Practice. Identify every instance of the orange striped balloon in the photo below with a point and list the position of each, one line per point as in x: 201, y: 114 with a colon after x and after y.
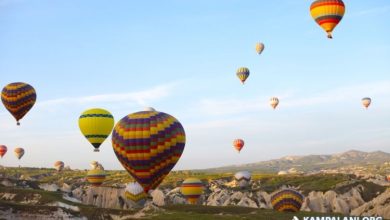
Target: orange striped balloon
x: 327, y: 14
x: 238, y: 144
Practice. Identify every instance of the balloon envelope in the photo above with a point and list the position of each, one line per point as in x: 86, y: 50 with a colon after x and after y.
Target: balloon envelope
x: 242, y: 178
x: 259, y: 47
x: 243, y: 74
x: 238, y: 144
x: 135, y: 193
x: 96, y: 177
x: 366, y: 102
x: 274, y: 102
x: 18, y: 98
x: 3, y: 150
x: 96, y: 124
x: 327, y: 14
x: 192, y: 189
x: 59, y: 165
x: 148, y: 144
x: 19, y: 152
x: 287, y: 200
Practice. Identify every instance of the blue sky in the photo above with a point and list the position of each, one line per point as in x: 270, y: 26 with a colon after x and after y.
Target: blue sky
x: 180, y: 57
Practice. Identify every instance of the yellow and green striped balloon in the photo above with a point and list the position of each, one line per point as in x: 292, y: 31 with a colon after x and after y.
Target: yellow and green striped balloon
x: 96, y: 124
x: 96, y: 177
x: 192, y: 189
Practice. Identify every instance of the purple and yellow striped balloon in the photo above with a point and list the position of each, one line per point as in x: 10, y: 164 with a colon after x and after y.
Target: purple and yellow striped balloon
x: 18, y: 98
x: 148, y: 144
x: 287, y: 200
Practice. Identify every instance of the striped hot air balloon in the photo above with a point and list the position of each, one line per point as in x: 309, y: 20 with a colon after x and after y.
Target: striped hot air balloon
x: 327, y: 14
x: 238, y: 144
x: 3, y: 150
x: 274, y: 102
x: 96, y: 177
x: 242, y: 178
x: 259, y: 48
x: 192, y: 189
x: 18, y: 98
x: 59, y: 165
x: 148, y: 144
x: 366, y: 102
x: 19, y: 152
x: 242, y: 74
x: 287, y: 200
x: 96, y: 124
x: 135, y: 193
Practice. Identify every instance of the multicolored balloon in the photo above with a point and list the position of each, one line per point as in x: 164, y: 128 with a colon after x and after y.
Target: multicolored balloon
x: 96, y: 177
x: 3, y: 150
x: 287, y: 200
x: 96, y: 124
x: 259, y: 48
x: 243, y: 178
x: 238, y: 144
x: 192, y: 189
x: 94, y: 164
x: 274, y: 102
x: 59, y: 165
x: 135, y: 193
x: 19, y: 152
x: 366, y: 102
x: 148, y: 144
x: 18, y: 98
x: 327, y: 14
x: 242, y: 74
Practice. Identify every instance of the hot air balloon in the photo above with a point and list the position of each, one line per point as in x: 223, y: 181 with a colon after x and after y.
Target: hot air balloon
x: 388, y: 178
x: 242, y: 73
x: 238, y: 144
x: 96, y: 177
x: 135, y: 193
x: 192, y: 189
x: 96, y: 124
x: 287, y: 200
x: 259, y: 48
x: 18, y: 98
x: 327, y: 14
x: 148, y: 144
x: 19, y: 152
x: 94, y: 164
x: 150, y: 109
x: 274, y: 102
x: 242, y: 178
x: 366, y: 102
x: 3, y: 150
x: 59, y: 165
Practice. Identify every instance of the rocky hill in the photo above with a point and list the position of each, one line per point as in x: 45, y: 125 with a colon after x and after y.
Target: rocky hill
x: 313, y: 163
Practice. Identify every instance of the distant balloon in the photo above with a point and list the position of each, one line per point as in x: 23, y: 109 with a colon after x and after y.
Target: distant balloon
x: 327, y: 13
x: 148, y: 144
x: 192, y: 189
x: 3, y: 150
x: 274, y: 102
x: 59, y: 165
x: 94, y: 164
x: 238, y: 144
x: 135, y: 193
x: 243, y: 178
x: 388, y: 178
x: 287, y: 200
x: 96, y: 124
x: 242, y: 74
x: 150, y: 109
x: 19, y: 152
x: 18, y: 98
x: 259, y: 48
x: 96, y: 177
x: 366, y: 102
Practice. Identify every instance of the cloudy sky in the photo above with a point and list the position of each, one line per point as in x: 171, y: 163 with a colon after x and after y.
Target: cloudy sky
x: 180, y: 57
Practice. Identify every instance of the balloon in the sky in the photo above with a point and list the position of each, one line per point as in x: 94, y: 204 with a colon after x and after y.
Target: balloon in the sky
x: 287, y: 200
x: 59, y: 165
x: 238, y: 144
x: 19, y: 152
x: 135, y: 193
x: 150, y: 109
x: 366, y: 102
x: 274, y: 102
x: 94, y: 164
x: 148, y: 144
x: 3, y: 150
x: 192, y: 189
x: 259, y: 47
x: 96, y: 177
x: 327, y: 14
x: 96, y: 124
x: 242, y: 178
x: 242, y: 73
x: 18, y: 98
